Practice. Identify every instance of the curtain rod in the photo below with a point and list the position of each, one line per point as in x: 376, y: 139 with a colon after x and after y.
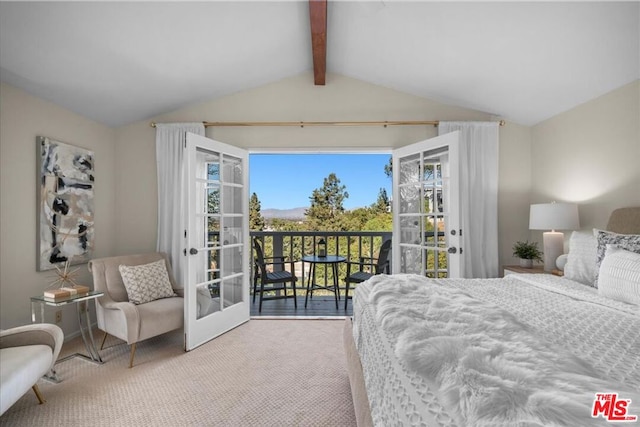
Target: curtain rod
x: 303, y: 124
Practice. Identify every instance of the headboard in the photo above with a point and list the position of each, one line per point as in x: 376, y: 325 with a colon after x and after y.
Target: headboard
x: 625, y: 221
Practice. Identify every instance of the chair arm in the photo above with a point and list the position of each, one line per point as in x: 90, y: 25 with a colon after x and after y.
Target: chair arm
x: 131, y: 317
x: 36, y: 334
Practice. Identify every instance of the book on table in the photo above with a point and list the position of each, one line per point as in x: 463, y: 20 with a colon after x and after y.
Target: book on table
x: 66, y: 292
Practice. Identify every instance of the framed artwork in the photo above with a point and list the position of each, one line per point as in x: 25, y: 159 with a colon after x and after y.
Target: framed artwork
x: 65, y: 204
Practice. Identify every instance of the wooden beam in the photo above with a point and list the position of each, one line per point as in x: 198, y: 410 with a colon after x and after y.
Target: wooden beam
x: 318, y: 18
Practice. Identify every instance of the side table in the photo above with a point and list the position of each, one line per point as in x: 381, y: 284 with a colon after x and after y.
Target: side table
x: 84, y: 322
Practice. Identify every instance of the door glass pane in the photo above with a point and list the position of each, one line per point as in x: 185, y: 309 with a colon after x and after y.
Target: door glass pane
x: 232, y: 200
x: 410, y: 260
x: 410, y: 230
x: 231, y: 261
x: 409, y: 169
x: 232, y: 170
x: 213, y: 227
x: 410, y: 198
x: 207, y: 299
x: 232, y: 230
x: 232, y: 291
x: 212, y: 196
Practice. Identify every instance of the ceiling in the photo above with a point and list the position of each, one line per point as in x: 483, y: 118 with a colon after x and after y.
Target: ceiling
x: 119, y: 63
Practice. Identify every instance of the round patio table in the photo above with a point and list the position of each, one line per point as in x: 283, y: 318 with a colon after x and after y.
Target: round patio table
x: 331, y: 260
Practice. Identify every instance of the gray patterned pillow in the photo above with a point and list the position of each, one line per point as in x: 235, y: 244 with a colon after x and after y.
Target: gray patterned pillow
x: 628, y: 242
x: 146, y: 282
x: 619, y: 276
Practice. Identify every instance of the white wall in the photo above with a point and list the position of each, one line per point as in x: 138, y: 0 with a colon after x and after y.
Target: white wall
x: 22, y: 118
x: 297, y: 99
x: 590, y: 155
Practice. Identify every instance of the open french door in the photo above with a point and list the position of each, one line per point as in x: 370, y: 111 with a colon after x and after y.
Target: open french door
x: 426, y: 203
x: 218, y: 251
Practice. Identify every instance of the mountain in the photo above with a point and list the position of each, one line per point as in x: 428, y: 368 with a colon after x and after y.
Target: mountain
x: 295, y: 213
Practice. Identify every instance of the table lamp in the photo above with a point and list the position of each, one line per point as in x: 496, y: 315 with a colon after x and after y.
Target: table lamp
x: 553, y: 216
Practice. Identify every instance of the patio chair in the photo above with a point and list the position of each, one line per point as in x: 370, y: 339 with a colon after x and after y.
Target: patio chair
x: 367, y: 267
x: 272, y: 281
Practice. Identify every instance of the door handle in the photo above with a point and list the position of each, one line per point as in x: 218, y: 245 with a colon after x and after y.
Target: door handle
x: 452, y: 250
x: 193, y: 251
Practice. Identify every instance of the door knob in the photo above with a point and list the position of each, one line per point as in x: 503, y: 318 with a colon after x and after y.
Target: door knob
x: 452, y: 250
x: 193, y: 251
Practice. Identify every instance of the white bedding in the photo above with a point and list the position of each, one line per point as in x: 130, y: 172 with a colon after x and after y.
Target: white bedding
x: 524, y: 350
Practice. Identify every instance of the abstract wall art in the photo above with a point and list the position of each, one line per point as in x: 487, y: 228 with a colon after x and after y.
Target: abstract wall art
x: 65, y: 204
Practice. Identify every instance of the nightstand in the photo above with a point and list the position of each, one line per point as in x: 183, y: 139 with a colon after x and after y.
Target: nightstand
x: 536, y: 269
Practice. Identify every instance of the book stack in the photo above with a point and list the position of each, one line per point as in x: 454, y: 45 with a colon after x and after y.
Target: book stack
x: 66, y: 292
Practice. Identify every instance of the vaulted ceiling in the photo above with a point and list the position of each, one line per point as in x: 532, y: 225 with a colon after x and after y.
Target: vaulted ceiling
x: 118, y: 63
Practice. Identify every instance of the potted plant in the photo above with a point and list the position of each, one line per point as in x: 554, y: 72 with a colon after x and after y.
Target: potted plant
x: 527, y: 252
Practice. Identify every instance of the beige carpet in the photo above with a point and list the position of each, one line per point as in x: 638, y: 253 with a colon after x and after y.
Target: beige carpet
x: 263, y: 373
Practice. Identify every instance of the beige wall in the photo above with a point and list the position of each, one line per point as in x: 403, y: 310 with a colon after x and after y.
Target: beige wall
x: 22, y: 118
x: 590, y: 155
x: 297, y: 99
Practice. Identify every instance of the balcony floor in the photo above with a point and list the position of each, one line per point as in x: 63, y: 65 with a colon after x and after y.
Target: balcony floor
x: 318, y: 306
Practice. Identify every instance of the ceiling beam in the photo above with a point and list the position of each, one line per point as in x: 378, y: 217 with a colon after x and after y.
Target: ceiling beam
x: 318, y: 17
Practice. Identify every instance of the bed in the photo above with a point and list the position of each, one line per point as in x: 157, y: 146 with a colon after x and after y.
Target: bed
x: 529, y: 350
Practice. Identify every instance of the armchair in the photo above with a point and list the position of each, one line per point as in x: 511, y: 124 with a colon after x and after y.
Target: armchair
x: 121, y: 318
x: 27, y: 353
x: 272, y: 280
x: 366, y: 268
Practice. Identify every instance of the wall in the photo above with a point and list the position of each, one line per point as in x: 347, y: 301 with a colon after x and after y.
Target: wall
x: 22, y: 118
x: 590, y: 155
x: 297, y: 99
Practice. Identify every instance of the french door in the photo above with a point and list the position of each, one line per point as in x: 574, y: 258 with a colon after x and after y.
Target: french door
x: 426, y: 203
x: 218, y: 251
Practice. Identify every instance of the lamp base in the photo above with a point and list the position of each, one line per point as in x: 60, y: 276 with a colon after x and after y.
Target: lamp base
x: 553, y: 242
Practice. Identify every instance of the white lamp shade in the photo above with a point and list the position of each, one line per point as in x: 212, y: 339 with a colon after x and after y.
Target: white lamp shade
x: 554, y: 216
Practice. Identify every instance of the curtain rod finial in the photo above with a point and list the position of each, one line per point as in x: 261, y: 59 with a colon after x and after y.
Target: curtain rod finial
x: 152, y: 124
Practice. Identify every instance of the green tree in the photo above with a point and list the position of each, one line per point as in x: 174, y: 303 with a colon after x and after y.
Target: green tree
x: 326, y: 210
x: 256, y: 221
x: 382, y: 204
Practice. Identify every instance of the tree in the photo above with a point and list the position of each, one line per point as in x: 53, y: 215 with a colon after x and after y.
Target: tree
x: 382, y: 204
x: 256, y: 221
x: 326, y: 210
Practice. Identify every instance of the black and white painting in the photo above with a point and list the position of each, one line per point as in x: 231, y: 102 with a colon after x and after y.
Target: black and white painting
x: 65, y: 190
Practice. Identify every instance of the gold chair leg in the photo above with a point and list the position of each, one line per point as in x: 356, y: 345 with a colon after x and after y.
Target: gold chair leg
x: 36, y: 390
x: 133, y: 353
x: 104, y: 339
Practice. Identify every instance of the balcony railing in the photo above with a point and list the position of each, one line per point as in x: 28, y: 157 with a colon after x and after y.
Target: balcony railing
x: 295, y: 244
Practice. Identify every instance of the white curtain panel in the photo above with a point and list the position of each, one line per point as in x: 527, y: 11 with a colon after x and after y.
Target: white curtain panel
x: 478, y: 196
x: 172, y: 192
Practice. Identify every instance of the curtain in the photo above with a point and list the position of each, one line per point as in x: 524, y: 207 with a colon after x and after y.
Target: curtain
x: 171, y: 139
x: 478, y: 196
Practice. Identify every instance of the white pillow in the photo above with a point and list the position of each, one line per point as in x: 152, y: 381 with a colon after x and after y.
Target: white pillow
x: 629, y: 242
x: 581, y: 260
x: 619, y: 276
x: 146, y: 282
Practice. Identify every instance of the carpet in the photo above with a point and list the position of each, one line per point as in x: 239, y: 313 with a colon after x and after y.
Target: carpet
x: 263, y: 373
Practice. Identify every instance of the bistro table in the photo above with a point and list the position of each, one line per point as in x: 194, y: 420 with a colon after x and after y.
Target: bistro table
x: 333, y: 261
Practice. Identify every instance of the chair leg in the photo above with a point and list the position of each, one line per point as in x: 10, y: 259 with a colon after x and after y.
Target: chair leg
x: 133, y: 353
x: 36, y: 390
x: 261, y: 293
x: 103, y: 340
x: 295, y: 297
x: 346, y: 295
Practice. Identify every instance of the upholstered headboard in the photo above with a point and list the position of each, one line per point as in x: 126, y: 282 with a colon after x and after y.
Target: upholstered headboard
x: 625, y: 221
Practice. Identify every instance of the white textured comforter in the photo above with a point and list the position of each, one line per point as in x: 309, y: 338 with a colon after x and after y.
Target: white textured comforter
x: 525, y: 350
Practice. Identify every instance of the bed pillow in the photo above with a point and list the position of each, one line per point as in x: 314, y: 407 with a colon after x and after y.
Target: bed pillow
x: 619, y: 275
x: 146, y: 282
x: 629, y: 242
x: 581, y: 259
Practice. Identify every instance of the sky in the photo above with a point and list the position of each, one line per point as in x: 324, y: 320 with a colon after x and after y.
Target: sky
x: 286, y: 181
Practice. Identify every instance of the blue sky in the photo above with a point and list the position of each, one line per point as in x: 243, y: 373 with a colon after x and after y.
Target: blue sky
x: 286, y: 181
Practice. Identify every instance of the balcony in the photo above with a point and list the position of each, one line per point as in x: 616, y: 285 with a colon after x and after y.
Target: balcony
x: 294, y: 245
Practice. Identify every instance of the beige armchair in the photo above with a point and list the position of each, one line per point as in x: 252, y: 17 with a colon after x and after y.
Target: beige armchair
x: 130, y: 322
x: 26, y: 354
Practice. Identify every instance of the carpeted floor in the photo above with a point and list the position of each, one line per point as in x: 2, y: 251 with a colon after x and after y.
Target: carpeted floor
x: 263, y: 373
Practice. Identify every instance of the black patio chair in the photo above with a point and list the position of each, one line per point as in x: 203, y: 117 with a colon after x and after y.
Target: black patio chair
x: 272, y: 281
x: 367, y: 268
